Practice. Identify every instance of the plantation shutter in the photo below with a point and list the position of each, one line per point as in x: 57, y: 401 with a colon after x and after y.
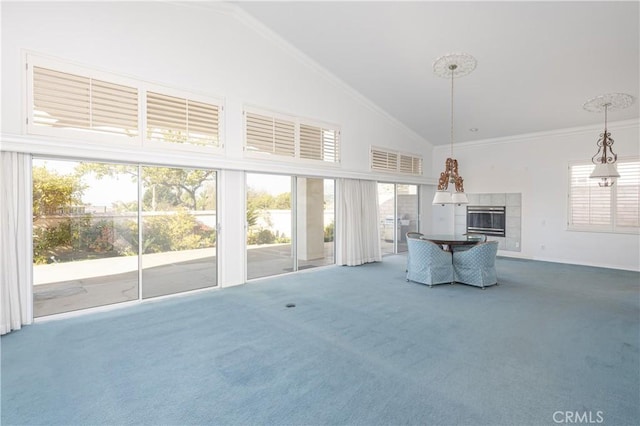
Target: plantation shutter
x: 182, y: 120
x: 392, y: 161
x: 310, y: 142
x: 64, y: 100
x: 615, y: 208
x: 269, y: 134
x: 317, y: 143
x: 628, y: 194
x: 331, y: 145
x: 590, y: 204
x: 417, y: 165
x: 383, y: 160
x: 410, y: 164
x: 406, y: 164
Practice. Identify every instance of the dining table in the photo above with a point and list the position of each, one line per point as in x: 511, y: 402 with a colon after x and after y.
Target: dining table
x: 448, y: 241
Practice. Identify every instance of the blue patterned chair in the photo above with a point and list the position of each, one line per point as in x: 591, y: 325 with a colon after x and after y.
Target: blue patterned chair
x: 412, y: 234
x: 427, y: 263
x: 474, y: 237
x: 476, y: 266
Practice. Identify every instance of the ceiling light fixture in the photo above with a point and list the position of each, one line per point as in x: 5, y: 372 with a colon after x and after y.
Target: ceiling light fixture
x: 452, y: 65
x: 605, y: 159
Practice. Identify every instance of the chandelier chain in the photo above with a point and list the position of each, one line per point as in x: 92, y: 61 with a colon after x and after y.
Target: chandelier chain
x: 453, y: 67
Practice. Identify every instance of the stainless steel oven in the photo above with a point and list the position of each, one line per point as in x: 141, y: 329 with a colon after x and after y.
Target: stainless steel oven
x: 489, y: 220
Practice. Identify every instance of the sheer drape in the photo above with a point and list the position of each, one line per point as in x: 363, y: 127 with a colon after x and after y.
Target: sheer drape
x: 15, y: 235
x: 358, y: 230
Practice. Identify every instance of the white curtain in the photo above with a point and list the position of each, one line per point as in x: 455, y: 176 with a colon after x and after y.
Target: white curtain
x: 358, y: 230
x: 16, y: 307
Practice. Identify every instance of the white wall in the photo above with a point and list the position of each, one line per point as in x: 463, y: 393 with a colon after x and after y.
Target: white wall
x: 537, y: 166
x: 210, y: 49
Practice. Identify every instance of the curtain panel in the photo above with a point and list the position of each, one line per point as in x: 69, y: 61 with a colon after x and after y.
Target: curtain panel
x: 358, y: 230
x: 16, y: 307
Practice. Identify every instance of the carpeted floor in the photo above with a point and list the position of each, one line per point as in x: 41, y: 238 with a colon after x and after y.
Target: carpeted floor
x: 361, y: 347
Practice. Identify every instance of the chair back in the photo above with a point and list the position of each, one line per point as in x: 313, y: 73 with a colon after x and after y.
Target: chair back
x: 477, y: 266
x: 484, y: 253
x: 413, y: 234
x: 426, y: 252
x: 427, y: 263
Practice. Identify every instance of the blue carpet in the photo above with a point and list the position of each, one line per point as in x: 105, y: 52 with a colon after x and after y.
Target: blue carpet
x: 361, y: 347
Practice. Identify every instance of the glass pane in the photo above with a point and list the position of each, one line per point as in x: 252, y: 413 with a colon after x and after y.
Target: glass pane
x: 315, y: 222
x: 85, y: 235
x: 269, y: 250
x: 408, y: 204
x: 386, y: 202
x: 178, y: 230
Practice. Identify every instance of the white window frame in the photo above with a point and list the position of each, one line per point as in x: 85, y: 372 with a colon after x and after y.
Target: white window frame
x: 90, y: 137
x: 613, y: 227
x: 97, y: 139
x: 164, y: 90
x: 297, y: 122
x: 397, y: 168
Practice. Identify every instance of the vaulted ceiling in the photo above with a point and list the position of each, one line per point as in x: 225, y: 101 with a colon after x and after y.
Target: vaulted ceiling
x: 537, y: 62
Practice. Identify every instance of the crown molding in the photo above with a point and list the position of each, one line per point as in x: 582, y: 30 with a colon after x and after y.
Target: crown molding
x: 569, y: 131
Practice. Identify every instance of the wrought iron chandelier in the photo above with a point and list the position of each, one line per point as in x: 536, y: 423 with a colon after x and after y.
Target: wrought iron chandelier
x: 452, y: 65
x: 605, y: 159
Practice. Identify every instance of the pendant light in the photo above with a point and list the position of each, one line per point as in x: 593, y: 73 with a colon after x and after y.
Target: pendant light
x: 605, y: 159
x: 450, y: 66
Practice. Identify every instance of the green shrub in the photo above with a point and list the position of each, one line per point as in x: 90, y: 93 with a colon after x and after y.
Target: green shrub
x: 328, y: 232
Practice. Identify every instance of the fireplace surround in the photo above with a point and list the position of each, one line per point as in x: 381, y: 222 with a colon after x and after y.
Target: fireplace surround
x: 512, y: 239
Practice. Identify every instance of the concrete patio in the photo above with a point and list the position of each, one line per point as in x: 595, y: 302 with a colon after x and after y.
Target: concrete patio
x: 71, y: 286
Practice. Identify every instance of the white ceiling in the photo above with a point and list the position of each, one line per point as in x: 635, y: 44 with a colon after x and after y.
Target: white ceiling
x: 538, y: 62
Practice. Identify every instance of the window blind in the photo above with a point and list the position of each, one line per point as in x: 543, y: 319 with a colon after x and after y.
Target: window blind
x: 392, y: 161
x: 628, y: 194
x: 288, y: 136
x: 181, y: 120
x: 411, y: 165
x: 613, y: 208
x: 65, y: 100
x: 383, y: 160
x: 270, y: 135
x: 317, y: 143
x: 590, y: 204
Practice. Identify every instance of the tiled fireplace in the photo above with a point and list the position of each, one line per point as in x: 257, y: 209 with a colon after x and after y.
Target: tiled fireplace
x: 498, y: 213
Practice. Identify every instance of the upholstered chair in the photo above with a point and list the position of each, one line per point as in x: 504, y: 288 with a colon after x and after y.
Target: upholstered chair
x: 476, y: 266
x: 474, y: 237
x: 427, y: 263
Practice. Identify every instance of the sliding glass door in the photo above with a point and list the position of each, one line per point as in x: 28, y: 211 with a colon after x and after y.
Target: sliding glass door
x: 87, y: 233
x: 275, y: 203
x: 178, y: 230
x: 315, y: 222
x: 407, y: 206
x: 269, y: 225
x: 399, y: 214
x: 387, y: 214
